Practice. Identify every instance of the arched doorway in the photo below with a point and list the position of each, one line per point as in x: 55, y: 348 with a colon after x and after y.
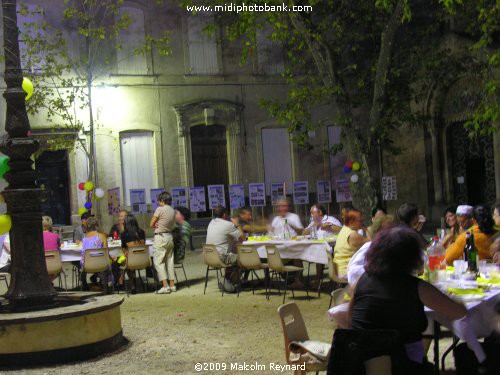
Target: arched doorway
x: 209, y: 155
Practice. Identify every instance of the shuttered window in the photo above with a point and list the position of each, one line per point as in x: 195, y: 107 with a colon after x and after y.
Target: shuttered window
x: 202, y: 47
x: 129, y: 39
x: 137, y: 163
x: 277, y: 157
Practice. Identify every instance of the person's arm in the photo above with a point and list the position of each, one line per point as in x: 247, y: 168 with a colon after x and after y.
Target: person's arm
x: 104, y: 239
x: 455, y: 250
x: 357, y: 240
x: 440, y: 302
x: 152, y: 223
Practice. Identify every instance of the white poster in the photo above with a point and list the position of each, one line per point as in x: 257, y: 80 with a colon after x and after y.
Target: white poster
x: 179, y: 197
x: 154, y: 198
x: 138, y: 201
x: 300, y: 192
x: 257, y: 194
x: 197, y: 202
x: 324, y: 191
x: 343, y: 190
x: 216, y: 196
x: 389, y: 189
x: 277, y: 192
x: 236, y: 196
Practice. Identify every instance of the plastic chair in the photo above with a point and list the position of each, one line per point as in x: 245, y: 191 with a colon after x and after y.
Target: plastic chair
x: 96, y: 260
x: 180, y: 265
x: 337, y: 297
x: 248, y: 259
x: 55, y: 267
x: 294, y: 329
x: 214, y: 263
x: 3, y: 276
x: 276, y: 265
x: 138, y: 259
x: 333, y: 273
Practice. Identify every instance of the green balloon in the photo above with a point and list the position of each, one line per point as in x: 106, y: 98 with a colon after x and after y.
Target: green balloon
x: 4, y: 165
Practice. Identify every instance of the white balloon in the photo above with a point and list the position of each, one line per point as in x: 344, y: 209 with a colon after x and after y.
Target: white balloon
x: 99, y: 193
x: 354, y: 178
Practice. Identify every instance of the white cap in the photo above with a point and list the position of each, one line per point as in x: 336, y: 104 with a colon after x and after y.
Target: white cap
x: 464, y: 210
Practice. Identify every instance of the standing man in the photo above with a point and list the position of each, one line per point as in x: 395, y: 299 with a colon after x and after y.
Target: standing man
x: 80, y: 230
x: 163, y: 222
x: 223, y: 233
x: 293, y: 220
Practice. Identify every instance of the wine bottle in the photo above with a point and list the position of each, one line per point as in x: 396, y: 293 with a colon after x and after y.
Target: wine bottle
x: 472, y: 255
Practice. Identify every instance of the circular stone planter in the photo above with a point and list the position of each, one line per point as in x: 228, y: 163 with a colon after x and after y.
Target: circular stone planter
x: 84, y: 329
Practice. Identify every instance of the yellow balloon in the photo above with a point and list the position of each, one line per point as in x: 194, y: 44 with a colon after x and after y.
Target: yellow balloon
x: 5, y: 223
x: 356, y: 166
x: 89, y: 185
x: 81, y: 211
x: 28, y: 87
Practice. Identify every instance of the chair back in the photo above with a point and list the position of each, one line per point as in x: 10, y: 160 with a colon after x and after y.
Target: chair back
x: 379, y: 366
x: 53, y: 262
x: 211, y: 256
x: 294, y: 328
x: 138, y: 258
x: 248, y: 257
x: 96, y: 260
x: 333, y: 270
x: 274, y: 258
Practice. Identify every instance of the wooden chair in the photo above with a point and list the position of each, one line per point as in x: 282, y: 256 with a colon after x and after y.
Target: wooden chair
x: 214, y: 263
x: 276, y: 265
x: 294, y: 330
x: 248, y: 259
x: 55, y: 267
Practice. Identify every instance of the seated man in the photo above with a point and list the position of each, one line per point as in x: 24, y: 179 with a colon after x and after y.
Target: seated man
x: 464, y: 217
x: 119, y: 227
x: 223, y: 233
x: 79, y: 231
x: 323, y: 226
x: 245, y: 220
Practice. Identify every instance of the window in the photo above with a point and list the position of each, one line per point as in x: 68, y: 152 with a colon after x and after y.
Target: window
x: 269, y: 54
x: 202, y: 47
x: 29, y: 21
x: 336, y: 161
x: 137, y: 163
x: 277, y: 158
x: 130, y: 38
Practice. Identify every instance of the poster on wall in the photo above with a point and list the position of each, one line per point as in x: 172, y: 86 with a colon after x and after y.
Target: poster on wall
x: 114, y: 201
x: 277, y: 192
x: 179, y: 197
x: 300, y: 192
x: 197, y: 202
x: 324, y: 191
x: 216, y: 196
x: 343, y: 190
x: 138, y: 201
x: 236, y: 196
x: 257, y: 194
x: 389, y: 188
x: 154, y: 198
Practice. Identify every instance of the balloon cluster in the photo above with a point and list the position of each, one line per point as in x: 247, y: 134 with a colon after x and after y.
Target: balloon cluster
x: 88, y: 186
x: 350, y: 166
x: 4, y: 165
x: 5, y: 223
x: 27, y: 86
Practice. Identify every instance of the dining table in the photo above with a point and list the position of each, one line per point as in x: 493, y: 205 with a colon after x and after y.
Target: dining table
x: 71, y: 252
x: 303, y: 248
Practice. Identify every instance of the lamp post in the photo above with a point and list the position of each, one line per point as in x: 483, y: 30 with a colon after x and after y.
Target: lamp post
x: 30, y: 285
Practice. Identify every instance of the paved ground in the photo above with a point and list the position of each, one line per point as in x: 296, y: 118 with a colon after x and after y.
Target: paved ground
x: 169, y: 334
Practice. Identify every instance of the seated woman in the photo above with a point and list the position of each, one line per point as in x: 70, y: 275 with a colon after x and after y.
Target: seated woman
x: 348, y: 240
x: 452, y: 226
x: 388, y: 296
x: 94, y: 239
x: 51, y: 240
x: 483, y: 231
x: 132, y: 236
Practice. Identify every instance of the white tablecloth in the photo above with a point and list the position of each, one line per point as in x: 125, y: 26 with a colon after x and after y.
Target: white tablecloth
x: 71, y: 253
x: 308, y: 250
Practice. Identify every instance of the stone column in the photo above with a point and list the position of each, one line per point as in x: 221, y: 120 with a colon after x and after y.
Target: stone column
x: 30, y: 285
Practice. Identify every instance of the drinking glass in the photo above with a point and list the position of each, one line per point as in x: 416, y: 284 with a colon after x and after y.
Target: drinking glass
x: 460, y: 268
x: 482, y: 266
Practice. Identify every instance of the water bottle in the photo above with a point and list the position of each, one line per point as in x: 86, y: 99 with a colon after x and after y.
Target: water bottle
x: 314, y: 232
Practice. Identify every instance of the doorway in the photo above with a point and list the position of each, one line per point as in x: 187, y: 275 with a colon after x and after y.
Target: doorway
x: 53, y: 178
x: 209, y: 157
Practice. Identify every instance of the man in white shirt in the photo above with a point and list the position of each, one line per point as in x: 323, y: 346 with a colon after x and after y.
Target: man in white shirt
x: 324, y: 226
x: 293, y: 220
x: 224, y: 234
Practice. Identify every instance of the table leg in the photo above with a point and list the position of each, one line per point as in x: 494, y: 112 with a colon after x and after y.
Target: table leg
x: 437, y: 334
